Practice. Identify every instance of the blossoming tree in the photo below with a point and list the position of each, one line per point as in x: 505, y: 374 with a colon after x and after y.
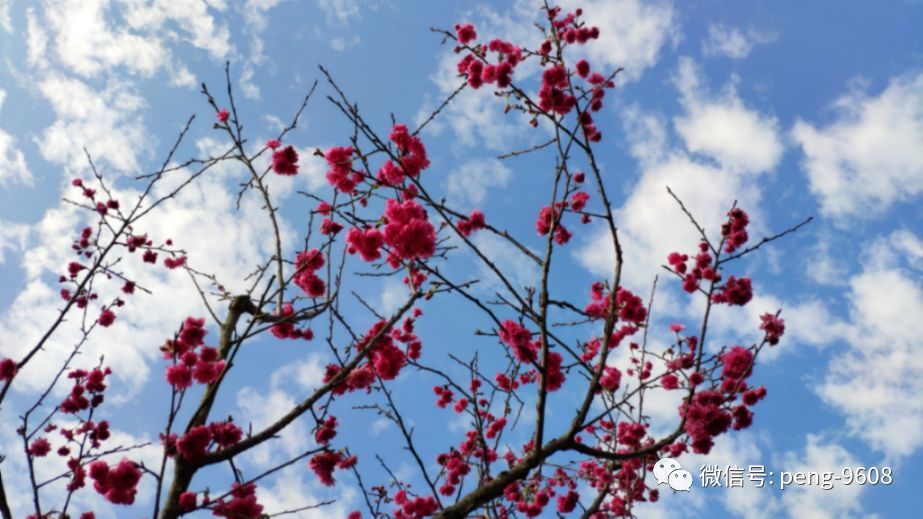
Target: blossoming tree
x: 384, y: 214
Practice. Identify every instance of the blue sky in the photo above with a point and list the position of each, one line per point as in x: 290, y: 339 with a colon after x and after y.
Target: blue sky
x: 793, y: 109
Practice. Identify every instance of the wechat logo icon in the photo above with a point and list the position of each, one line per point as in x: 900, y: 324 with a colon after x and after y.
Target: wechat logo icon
x: 669, y: 471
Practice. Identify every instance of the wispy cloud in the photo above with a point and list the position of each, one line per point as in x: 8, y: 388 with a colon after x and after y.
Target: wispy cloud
x: 871, y: 155
x: 731, y: 42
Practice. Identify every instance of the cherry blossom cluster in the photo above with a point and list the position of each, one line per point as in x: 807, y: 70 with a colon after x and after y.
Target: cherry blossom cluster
x: 704, y: 419
x: 197, y: 442
x: 328, y: 226
x: 407, y: 232
x: 324, y: 463
x: 285, y: 329
x: 327, y: 431
x: 87, y: 246
x: 622, y: 437
x: 285, y: 160
x: 404, y: 232
x: 412, y: 158
x: 95, y: 433
x: 734, y: 231
x: 86, y: 384
x: 773, y: 326
x: 456, y: 466
x: 713, y: 412
x: 735, y: 291
x: 550, y: 217
x: 445, y: 396
x: 306, y: 265
x: 458, y: 461
x: 701, y: 270
x: 414, y: 508
x: 341, y: 174
x: 519, y: 340
x: 474, y: 222
x: 532, y: 497
x: 629, y: 307
x: 611, y: 379
x: 475, y: 65
x: 239, y: 503
x: 506, y: 383
x: 242, y: 503
x: 557, y: 93
x: 384, y: 359
x: 117, y: 484
x: 192, y: 359
x: 8, y: 369
x: 100, y: 206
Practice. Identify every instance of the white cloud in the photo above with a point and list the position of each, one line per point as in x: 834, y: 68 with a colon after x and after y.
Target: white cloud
x: 380, y: 425
x: 823, y: 266
x: 730, y: 42
x: 515, y: 266
x: 475, y: 116
x: 313, y: 171
x: 36, y: 41
x: 200, y: 213
x: 293, y: 489
x: 6, y: 23
x: 307, y: 375
x: 19, y: 491
x: 342, y: 43
x: 707, y: 192
x: 751, y: 502
x: 87, y: 44
x: 647, y: 135
x: 841, y: 501
x: 192, y: 16
x: 261, y: 409
x: 740, y: 449
x: 740, y: 325
x: 12, y: 237
x: 341, y: 17
x: 105, y: 122
x: 394, y: 294
x: 908, y: 245
x: 631, y: 33
x: 871, y: 155
x: 254, y: 12
x: 180, y: 76
x: 13, y: 167
x: 723, y: 127
x: 470, y: 182
x: 92, y: 37
x: 339, y: 11
x: 876, y: 382
x: 742, y: 143
x: 890, y: 252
